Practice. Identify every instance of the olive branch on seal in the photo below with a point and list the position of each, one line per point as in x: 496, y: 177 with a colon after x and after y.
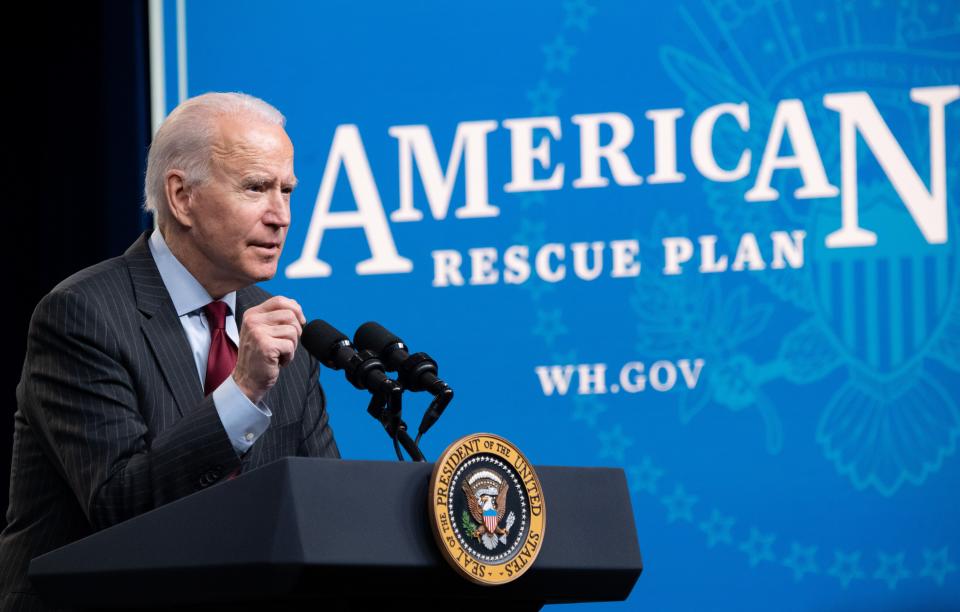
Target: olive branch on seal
x: 468, y: 525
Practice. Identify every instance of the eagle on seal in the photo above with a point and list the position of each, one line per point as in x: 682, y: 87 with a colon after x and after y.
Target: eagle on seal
x: 487, y: 502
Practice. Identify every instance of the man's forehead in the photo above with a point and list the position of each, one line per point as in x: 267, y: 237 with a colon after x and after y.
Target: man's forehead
x: 239, y: 135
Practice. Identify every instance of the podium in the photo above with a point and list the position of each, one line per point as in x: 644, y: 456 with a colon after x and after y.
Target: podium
x: 317, y: 534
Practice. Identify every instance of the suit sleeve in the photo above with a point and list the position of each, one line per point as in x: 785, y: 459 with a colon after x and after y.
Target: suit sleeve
x: 80, y: 395
x: 317, y: 435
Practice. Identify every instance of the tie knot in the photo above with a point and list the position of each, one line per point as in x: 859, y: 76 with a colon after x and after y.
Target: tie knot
x: 216, y: 314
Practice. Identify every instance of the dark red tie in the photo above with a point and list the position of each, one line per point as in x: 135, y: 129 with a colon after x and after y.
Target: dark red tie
x: 222, y: 358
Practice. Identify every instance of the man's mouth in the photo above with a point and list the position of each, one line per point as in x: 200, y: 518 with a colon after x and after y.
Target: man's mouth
x: 267, y: 246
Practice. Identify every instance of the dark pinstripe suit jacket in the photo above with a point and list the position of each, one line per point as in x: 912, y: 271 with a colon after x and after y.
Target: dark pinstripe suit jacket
x: 111, y: 419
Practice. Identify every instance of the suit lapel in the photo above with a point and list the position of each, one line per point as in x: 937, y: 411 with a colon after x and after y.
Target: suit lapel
x: 245, y: 300
x: 162, y: 327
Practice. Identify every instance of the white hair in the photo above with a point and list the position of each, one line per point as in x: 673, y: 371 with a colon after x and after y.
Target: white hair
x: 185, y: 138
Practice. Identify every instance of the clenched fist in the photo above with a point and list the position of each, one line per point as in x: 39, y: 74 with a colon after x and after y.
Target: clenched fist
x: 268, y: 339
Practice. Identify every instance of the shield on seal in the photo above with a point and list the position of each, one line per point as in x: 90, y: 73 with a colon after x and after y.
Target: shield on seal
x: 490, y: 519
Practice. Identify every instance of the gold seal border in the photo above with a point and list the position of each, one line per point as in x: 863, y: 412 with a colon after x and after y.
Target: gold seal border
x: 486, y: 574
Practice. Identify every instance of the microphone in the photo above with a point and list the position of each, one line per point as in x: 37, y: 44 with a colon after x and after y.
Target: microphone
x: 333, y: 349
x: 364, y: 370
x: 417, y: 372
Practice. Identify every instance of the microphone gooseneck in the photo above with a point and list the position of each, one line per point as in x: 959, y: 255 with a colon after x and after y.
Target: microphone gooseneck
x: 364, y: 370
x: 416, y: 372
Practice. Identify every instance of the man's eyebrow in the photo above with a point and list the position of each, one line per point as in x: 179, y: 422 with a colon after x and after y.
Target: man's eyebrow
x: 257, y: 179
x: 261, y: 179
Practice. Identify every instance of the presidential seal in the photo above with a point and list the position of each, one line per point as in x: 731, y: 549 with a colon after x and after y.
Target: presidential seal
x: 486, y: 508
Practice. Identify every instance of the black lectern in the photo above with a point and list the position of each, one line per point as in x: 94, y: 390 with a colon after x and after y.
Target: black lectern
x: 328, y: 534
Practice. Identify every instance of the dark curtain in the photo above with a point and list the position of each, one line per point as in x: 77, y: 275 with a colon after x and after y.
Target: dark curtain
x: 76, y: 141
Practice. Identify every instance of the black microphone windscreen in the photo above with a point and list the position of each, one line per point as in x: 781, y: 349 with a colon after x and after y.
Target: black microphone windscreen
x: 374, y: 337
x: 322, y: 339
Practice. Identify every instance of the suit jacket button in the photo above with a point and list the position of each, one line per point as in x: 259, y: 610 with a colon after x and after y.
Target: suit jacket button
x: 208, y: 478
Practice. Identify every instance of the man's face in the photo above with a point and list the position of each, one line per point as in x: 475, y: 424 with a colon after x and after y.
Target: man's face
x: 241, y: 213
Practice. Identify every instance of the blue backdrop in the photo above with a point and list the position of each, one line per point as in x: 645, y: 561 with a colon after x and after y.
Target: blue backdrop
x: 611, y: 269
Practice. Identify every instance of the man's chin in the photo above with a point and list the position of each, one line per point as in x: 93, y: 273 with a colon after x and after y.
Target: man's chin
x: 261, y: 273
x: 267, y: 275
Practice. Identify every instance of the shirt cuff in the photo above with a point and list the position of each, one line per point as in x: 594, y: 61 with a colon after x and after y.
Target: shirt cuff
x: 243, y: 420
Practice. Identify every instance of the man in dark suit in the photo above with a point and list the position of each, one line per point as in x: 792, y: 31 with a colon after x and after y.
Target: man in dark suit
x: 164, y: 371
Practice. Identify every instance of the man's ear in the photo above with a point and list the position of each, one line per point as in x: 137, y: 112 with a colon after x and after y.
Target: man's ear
x: 178, y: 197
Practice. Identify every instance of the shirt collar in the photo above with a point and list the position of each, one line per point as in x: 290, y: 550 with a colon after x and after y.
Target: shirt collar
x: 187, y: 293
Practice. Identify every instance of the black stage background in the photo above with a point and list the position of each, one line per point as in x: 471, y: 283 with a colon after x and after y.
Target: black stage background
x: 76, y: 142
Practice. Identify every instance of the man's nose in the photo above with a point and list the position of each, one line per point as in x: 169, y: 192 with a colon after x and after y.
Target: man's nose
x: 278, y: 214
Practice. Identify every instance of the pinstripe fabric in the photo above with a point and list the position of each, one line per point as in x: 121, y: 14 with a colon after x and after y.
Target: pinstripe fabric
x: 111, y: 419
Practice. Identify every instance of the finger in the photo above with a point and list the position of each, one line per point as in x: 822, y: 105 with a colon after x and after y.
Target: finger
x: 279, y: 302
x: 274, y: 317
x: 296, y: 308
x: 271, y: 304
x: 287, y: 332
x: 287, y: 349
